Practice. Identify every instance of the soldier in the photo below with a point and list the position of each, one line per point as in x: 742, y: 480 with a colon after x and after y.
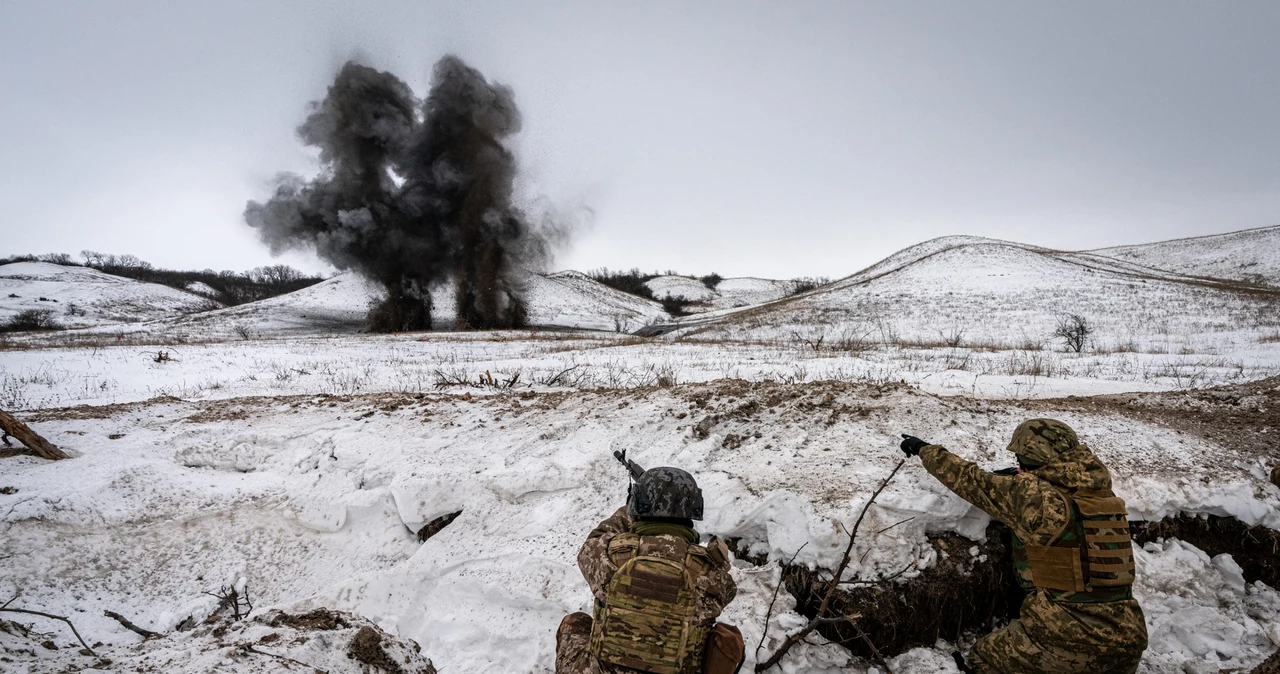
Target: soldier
x: 657, y: 592
x: 1071, y: 551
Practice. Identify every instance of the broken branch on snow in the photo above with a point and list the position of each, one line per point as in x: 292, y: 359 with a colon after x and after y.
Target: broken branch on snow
x: 820, y: 617
x: 43, y: 448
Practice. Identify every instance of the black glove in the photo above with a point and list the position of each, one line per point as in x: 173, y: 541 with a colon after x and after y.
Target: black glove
x: 911, y: 445
x: 960, y: 663
x: 1007, y: 472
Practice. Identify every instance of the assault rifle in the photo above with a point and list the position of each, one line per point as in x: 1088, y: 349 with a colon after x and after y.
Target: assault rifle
x: 632, y: 466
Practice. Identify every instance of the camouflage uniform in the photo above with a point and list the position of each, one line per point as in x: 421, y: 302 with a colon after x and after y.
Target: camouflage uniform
x: 715, y: 587
x: 1101, y: 632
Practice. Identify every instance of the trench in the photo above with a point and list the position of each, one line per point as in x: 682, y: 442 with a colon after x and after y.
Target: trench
x: 966, y: 594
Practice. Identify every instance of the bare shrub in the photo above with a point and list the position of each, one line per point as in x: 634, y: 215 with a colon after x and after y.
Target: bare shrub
x: 1075, y: 330
x: 31, y: 319
x: 804, y: 284
x: 953, y: 336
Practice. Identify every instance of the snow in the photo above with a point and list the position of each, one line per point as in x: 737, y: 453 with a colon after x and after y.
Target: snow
x: 314, y: 500
x: 730, y: 293
x: 997, y: 294
x: 1252, y: 255
x: 83, y: 297
x: 281, y: 448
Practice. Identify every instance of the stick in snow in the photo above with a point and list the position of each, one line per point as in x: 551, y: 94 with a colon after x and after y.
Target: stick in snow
x: 820, y: 616
x: 43, y: 448
x: 49, y: 615
x: 145, y: 634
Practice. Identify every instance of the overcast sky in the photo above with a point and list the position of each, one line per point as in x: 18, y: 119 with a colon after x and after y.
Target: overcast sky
x: 748, y: 138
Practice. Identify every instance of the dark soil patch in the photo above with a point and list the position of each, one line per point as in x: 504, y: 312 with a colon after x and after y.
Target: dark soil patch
x: 434, y: 526
x: 1255, y: 549
x: 318, y: 619
x: 960, y: 593
x: 366, y: 647
x: 1239, y: 417
x: 1269, y: 666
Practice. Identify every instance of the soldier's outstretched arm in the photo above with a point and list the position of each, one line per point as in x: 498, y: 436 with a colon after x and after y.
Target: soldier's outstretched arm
x: 996, y: 495
x: 593, y: 558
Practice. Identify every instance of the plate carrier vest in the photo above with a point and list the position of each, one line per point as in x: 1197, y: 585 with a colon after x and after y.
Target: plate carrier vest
x: 648, y: 619
x: 1090, y: 560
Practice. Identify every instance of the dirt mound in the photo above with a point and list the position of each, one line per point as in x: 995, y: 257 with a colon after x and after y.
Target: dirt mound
x: 319, y: 640
x: 962, y: 592
x: 1255, y: 549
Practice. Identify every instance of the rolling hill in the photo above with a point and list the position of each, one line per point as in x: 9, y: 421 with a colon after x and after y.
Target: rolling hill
x: 1251, y: 255
x: 985, y: 291
x: 730, y: 293
x: 82, y: 297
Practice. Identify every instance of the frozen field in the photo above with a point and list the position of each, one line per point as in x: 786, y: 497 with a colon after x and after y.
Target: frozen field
x: 274, y: 447
x: 313, y: 500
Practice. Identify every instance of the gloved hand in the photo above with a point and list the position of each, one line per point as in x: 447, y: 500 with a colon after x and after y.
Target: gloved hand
x: 911, y: 445
x: 1007, y: 472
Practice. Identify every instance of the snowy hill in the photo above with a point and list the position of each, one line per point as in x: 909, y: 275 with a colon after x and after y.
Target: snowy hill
x: 730, y: 293
x: 1251, y: 255
x: 83, y: 297
x: 985, y: 291
x: 571, y: 299
x: 338, y: 305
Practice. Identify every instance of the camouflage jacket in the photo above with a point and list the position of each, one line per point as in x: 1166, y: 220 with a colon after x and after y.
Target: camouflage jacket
x: 715, y: 587
x: 1031, y: 505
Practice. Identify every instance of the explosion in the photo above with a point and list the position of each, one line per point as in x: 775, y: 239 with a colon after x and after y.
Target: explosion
x: 412, y: 194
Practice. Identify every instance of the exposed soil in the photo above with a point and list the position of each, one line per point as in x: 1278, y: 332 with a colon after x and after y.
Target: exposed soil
x: 436, y: 525
x: 366, y: 647
x: 1269, y: 666
x: 1255, y: 549
x: 318, y: 619
x: 964, y: 593
x: 961, y: 593
x: 1244, y: 418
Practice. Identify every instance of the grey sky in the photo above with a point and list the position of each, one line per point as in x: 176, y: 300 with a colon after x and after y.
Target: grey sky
x: 773, y: 139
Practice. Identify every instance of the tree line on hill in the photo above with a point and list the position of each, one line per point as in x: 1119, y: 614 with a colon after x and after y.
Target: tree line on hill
x: 635, y: 282
x: 226, y: 287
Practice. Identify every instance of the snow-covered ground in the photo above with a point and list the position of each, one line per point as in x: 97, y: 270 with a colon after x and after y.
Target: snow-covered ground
x: 730, y: 293
x: 278, y: 447
x: 1248, y: 255
x: 313, y: 501
x: 996, y: 294
x: 83, y: 297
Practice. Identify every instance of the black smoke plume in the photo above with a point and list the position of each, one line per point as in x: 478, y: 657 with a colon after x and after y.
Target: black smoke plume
x: 412, y: 197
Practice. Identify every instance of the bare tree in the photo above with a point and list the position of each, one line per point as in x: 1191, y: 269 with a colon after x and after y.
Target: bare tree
x: 1075, y: 330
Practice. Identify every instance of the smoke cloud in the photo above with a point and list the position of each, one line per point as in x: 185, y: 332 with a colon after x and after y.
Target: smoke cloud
x: 412, y: 194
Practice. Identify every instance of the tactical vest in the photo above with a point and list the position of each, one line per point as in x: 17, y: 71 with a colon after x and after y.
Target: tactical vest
x: 648, y: 619
x: 1090, y: 560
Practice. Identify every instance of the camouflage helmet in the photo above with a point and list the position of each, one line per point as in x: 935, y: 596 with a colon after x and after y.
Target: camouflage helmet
x: 1043, y: 440
x: 665, y: 492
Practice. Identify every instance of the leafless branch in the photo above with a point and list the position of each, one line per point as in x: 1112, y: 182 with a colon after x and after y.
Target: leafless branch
x: 144, y: 633
x: 42, y: 614
x: 768, y: 615
x: 820, y: 616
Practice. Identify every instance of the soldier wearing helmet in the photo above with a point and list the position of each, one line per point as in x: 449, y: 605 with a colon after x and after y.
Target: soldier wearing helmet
x: 657, y: 591
x: 1071, y: 551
